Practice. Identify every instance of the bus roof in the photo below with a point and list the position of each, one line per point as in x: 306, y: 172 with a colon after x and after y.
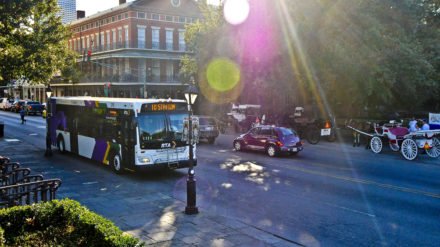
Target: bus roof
x: 117, y: 103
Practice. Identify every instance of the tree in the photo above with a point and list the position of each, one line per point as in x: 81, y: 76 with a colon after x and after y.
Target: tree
x: 33, y: 41
x: 345, y: 55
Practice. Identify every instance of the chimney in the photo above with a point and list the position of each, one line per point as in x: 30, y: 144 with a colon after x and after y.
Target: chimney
x: 122, y: 1
x: 80, y: 14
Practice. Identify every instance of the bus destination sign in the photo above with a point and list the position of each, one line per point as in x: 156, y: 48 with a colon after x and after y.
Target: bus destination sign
x: 156, y: 107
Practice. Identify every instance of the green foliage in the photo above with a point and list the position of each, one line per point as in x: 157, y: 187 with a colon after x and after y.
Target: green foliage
x: 33, y: 41
x: 200, y: 36
x: 59, y: 223
x: 348, y: 55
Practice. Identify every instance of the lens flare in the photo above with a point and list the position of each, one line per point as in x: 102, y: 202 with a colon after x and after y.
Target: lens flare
x: 222, y: 74
x: 236, y: 11
x: 221, y: 81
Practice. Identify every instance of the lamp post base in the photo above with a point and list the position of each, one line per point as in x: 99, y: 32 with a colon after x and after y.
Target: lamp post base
x: 191, y: 210
x: 191, y: 207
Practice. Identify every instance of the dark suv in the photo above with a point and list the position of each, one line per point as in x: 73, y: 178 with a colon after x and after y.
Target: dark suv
x: 208, y: 128
x: 270, y: 139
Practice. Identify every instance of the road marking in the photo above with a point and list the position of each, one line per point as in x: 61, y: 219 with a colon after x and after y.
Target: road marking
x: 351, y: 210
x: 368, y: 182
x: 87, y: 183
x: 12, y: 140
x: 41, y: 127
x: 33, y: 134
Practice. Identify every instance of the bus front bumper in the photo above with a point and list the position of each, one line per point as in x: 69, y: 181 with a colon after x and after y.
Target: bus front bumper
x: 167, y: 165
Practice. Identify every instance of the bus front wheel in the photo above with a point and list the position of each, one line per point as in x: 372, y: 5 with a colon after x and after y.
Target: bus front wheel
x: 117, y: 164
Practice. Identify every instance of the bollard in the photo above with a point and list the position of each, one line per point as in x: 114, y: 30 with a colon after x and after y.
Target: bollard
x: 2, y: 128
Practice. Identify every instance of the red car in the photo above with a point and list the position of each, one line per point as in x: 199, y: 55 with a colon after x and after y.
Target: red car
x: 270, y: 139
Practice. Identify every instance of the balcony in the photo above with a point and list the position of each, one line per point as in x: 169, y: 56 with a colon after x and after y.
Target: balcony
x: 169, y: 47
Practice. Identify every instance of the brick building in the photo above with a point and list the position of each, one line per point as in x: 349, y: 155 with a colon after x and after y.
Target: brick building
x: 135, y: 46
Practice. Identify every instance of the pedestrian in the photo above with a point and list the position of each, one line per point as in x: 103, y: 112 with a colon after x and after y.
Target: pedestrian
x: 422, y: 125
x: 412, y: 125
x: 22, y: 114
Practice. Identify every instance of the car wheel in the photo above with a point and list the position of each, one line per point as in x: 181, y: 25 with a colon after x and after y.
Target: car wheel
x: 117, y: 164
x: 313, y: 135
x: 271, y: 151
x: 61, y: 144
x: 237, y: 146
x: 211, y: 140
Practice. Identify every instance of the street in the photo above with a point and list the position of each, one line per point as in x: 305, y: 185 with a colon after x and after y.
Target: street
x: 330, y: 194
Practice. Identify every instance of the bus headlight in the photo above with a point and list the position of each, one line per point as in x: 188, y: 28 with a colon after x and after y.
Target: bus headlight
x: 143, y: 160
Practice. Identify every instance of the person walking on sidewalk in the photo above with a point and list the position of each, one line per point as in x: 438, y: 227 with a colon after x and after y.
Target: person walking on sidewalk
x: 22, y: 114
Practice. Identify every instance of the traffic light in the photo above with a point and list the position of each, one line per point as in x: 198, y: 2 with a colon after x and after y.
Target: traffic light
x: 89, y: 55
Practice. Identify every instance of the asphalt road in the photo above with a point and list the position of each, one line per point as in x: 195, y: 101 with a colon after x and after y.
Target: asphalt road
x: 331, y: 194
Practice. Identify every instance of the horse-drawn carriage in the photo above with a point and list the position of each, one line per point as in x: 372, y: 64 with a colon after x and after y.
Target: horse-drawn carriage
x: 400, y: 139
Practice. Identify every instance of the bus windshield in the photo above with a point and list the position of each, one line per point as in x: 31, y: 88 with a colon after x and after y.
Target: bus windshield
x: 157, y: 128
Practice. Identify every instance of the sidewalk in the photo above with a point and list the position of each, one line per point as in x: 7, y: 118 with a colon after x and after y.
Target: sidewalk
x: 154, y: 216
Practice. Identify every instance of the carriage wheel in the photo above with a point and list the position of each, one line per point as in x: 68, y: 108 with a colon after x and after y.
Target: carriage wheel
x: 409, y: 149
x: 434, y: 152
x: 376, y: 144
x: 394, y: 147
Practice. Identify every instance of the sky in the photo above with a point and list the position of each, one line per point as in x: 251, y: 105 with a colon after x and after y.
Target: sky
x: 93, y: 6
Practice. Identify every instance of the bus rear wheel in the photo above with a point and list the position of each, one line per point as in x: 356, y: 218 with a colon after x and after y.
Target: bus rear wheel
x: 61, y: 144
x: 117, y: 164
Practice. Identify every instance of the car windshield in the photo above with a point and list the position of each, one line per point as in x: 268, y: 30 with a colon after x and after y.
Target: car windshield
x: 206, y: 121
x: 159, y: 127
x: 33, y: 103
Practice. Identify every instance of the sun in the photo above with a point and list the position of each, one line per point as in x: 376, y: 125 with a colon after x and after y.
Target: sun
x: 236, y: 11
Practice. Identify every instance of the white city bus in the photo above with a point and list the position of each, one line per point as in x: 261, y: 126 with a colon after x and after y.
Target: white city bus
x: 121, y: 132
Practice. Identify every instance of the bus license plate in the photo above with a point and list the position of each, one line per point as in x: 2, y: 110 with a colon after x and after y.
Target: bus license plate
x: 325, y: 132
x: 293, y: 149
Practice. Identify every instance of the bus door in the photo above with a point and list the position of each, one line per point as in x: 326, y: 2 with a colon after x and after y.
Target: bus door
x: 127, y: 138
x: 74, y: 136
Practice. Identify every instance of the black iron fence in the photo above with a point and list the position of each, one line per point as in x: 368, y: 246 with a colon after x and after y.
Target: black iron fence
x: 19, y: 187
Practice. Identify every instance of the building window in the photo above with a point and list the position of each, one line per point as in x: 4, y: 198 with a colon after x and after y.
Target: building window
x: 181, y: 19
x: 170, y: 71
x: 126, y: 15
x: 126, y: 37
x: 119, y: 17
x: 113, y: 19
x: 155, y: 70
x: 141, y: 15
x: 168, y: 18
x: 88, y: 42
x: 114, y: 38
x: 108, y: 40
x: 169, y: 39
x: 141, y: 37
x: 182, y: 45
x: 155, y: 38
x: 119, y: 38
x: 101, y: 41
x: 155, y: 16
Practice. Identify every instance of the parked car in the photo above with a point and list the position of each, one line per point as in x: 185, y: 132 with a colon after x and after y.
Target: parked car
x: 17, y: 105
x: 208, y: 128
x: 34, y: 107
x: 270, y: 139
x: 5, y: 103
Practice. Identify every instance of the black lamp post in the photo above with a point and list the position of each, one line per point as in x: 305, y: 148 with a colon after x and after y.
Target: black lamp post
x: 191, y: 208
x: 48, y: 115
